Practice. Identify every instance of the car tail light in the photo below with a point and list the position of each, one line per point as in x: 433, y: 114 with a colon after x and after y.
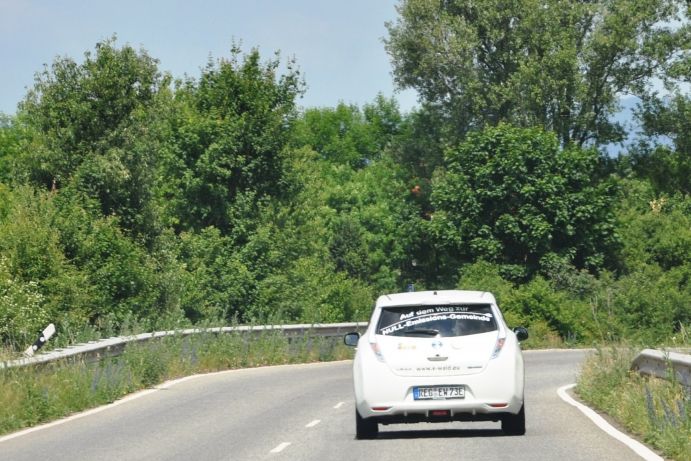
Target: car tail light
x: 377, y: 351
x: 498, y: 347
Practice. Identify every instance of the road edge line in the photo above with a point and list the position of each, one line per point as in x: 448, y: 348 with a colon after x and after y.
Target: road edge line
x: 638, y: 448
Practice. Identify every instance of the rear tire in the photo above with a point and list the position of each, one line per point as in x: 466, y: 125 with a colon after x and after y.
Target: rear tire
x: 514, y: 424
x: 365, y: 428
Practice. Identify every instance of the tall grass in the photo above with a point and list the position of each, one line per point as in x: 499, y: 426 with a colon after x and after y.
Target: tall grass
x: 657, y: 410
x: 37, y: 394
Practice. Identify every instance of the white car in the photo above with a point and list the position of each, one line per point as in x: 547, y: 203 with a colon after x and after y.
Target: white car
x: 438, y: 356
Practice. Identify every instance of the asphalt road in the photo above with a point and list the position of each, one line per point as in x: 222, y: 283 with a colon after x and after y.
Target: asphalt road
x: 306, y: 412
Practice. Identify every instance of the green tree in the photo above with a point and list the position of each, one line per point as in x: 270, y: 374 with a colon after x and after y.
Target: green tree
x: 655, y: 229
x: 668, y: 167
x: 346, y: 134
x: 558, y: 64
x: 513, y: 196
x: 217, y: 285
x: 538, y: 304
x: 228, y: 136
x: 419, y: 148
x: 93, y: 128
x: 653, y: 303
x: 309, y: 291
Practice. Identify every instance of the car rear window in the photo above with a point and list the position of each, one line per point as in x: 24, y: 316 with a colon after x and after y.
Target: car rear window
x: 431, y: 321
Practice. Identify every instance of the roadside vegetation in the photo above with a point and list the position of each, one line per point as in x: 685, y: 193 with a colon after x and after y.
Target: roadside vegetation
x: 132, y: 199
x: 38, y: 394
x: 657, y: 411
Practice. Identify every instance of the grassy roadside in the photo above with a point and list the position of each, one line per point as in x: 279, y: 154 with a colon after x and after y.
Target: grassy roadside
x: 38, y: 394
x: 656, y: 410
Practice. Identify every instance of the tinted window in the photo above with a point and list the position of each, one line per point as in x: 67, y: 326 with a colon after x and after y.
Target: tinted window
x: 431, y: 321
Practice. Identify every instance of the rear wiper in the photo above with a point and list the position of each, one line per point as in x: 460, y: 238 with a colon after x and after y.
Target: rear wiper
x: 421, y: 332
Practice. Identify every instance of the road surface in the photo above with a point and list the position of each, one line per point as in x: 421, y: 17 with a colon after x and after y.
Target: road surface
x: 306, y: 412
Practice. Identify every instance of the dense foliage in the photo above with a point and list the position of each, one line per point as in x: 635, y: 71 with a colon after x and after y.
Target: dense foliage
x: 513, y: 197
x: 130, y: 200
x: 557, y: 64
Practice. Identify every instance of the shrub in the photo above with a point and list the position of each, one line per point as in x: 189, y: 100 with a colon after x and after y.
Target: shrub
x: 22, y: 310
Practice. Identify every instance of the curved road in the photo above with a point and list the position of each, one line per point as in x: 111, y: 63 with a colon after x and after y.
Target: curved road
x: 306, y: 412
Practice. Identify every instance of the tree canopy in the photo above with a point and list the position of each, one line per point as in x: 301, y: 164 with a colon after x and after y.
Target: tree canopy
x: 557, y: 64
x: 229, y: 131
x: 667, y: 165
x: 512, y: 196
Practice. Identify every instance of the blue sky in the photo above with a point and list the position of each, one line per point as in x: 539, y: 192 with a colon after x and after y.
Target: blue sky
x: 337, y: 44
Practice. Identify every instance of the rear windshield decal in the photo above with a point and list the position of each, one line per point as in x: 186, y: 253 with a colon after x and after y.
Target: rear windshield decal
x: 441, y: 320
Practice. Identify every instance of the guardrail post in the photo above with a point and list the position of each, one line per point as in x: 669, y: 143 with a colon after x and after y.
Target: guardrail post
x: 45, y: 335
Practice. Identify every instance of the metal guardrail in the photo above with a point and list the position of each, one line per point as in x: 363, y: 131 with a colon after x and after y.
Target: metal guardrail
x: 661, y: 364
x: 111, y: 347
x: 649, y: 361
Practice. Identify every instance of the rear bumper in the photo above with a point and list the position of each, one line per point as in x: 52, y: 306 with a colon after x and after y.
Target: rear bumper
x: 495, y: 392
x: 471, y: 408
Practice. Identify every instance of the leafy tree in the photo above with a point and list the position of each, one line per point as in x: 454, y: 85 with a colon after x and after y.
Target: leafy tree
x: 93, y: 129
x: 83, y: 108
x: 668, y: 167
x: 216, y: 201
x: 385, y: 118
x: 228, y: 135
x: 512, y: 196
x: 338, y: 134
x: 419, y: 148
x: 347, y: 134
x: 557, y: 64
x: 309, y: 291
x: 538, y: 304
x: 655, y: 229
x: 653, y: 304
x: 217, y: 285
x: 348, y: 248
x: 363, y: 217
x: 119, y: 274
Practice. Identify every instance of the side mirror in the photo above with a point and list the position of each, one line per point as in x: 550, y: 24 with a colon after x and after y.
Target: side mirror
x: 351, y: 339
x: 521, y: 333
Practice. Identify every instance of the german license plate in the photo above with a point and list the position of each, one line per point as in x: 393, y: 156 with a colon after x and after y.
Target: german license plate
x: 438, y: 392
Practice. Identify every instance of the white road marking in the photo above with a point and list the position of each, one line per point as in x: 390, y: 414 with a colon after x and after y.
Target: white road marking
x: 640, y: 449
x: 280, y: 448
x: 339, y: 405
x: 313, y: 423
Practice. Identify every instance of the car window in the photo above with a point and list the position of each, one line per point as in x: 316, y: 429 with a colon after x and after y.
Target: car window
x: 432, y: 321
